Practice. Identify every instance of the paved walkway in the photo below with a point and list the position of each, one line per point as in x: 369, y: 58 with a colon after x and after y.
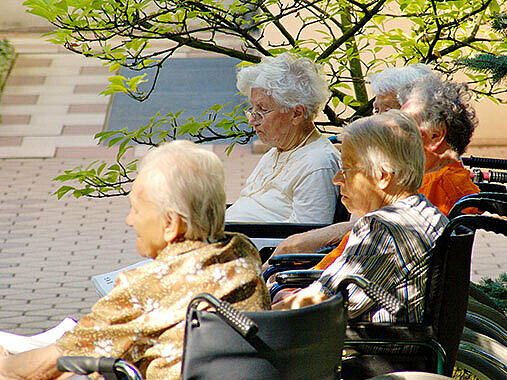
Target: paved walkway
x: 50, y: 248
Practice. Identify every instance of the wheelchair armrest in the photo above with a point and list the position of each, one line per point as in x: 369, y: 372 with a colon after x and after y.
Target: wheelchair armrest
x: 490, y: 202
x: 111, y: 368
x: 271, y: 230
x: 298, y: 278
x: 282, y: 263
x: 360, y: 331
x: 294, y: 279
x: 300, y: 260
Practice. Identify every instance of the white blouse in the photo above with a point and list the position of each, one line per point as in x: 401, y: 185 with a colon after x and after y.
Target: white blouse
x: 294, y: 186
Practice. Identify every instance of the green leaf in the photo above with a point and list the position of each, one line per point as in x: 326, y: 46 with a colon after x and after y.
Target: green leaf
x: 348, y: 100
x: 494, y: 7
x: 62, y: 191
x: 101, y: 168
x: 114, y: 141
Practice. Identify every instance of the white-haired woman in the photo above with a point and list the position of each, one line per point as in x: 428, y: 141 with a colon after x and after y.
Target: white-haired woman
x: 386, y: 84
x: 293, y: 180
x: 177, y: 210
x: 383, y: 166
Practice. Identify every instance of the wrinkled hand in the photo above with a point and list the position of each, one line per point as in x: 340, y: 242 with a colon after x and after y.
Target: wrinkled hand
x: 300, y: 298
x: 292, y: 244
x: 4, y: 352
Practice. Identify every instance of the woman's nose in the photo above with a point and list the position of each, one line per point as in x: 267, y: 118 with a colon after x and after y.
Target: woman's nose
x: 338, y: 178
x: 252, y: 120
x: 128, y: 220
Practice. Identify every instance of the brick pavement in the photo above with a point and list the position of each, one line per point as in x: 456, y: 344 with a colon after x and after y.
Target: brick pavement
x: 50, y: 248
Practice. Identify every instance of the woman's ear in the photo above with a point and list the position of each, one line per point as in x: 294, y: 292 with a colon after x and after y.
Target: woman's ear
x: 175, y: 227
x: 299, y: 112
x: 385, y: 179
x: 436, y: 138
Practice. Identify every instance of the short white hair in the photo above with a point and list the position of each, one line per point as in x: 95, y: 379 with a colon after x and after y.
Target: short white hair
x: 190, y: 181
x: 390, y: 80
x: 390, y: 142
x: 290, y: 79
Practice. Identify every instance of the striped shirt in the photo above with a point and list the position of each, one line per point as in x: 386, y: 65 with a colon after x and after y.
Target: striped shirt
x: 389, y: 247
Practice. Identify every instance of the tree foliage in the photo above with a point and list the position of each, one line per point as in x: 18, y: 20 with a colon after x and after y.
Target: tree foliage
x: 496, y: 65
x: 350, y: 38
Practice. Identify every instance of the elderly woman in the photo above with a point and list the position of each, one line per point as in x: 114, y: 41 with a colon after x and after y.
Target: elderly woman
x: 386, y: 84
x: 447, y: 121
x: 383, y: 166
x: 177, y: 211
x: 293, y: 180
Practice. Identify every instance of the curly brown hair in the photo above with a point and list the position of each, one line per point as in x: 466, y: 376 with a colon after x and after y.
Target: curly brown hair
x: 443, y: 103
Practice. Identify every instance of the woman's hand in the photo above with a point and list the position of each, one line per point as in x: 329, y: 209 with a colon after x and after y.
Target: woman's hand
x: 301, y: 298
x: 3, y: 352
x: 39, y: 363
x: 294, y: 244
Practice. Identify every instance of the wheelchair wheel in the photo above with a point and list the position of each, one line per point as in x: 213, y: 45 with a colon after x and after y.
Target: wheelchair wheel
x: 410, y: 376
x: 486, y: 327
x: 474, y: 363
x: 486, y: 343
x: 487, y: 312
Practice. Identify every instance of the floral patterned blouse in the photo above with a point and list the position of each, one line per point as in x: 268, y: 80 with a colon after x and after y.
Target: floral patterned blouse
x: 142, y: 319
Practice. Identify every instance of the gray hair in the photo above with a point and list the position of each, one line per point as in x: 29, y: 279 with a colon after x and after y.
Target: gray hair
x: 291, y: 80
x: 390, y: 80
x: 190, y: 181
x: 443, y: 104
x: 390, y: 142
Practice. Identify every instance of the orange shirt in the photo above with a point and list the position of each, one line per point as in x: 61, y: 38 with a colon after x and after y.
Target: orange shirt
x: 443, y: 188
x: 448, y: 185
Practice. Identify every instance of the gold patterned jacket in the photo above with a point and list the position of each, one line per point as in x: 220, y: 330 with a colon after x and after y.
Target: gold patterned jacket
x: 142, y: 319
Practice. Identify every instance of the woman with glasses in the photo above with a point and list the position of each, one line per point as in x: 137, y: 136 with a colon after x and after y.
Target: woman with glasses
x: 293, y: 180
x: 383, y: 167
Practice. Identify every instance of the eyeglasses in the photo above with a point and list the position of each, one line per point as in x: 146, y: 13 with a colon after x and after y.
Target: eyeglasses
x: 342, y: 171
x: 256, y: 115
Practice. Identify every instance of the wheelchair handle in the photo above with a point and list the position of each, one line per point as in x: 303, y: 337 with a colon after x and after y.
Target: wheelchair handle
x: 234, y: 318
x: 111, y: 368
x: 484, y: 162
x: 375, y: 292
x: 478, y: 175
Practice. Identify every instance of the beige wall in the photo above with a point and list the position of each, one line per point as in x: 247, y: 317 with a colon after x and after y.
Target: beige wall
x: 13, y: 17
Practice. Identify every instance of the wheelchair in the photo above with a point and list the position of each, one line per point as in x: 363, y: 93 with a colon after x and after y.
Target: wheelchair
x: 470, y: 356
x: 483, y: 321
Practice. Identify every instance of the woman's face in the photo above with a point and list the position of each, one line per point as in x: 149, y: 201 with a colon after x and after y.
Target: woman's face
x: 146, y: 219
x: 273, y: 126
x: 360, y: 192
x: 385, y: 102
x: 415, y: 110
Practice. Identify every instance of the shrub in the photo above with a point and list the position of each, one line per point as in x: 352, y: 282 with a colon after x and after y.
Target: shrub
x: 496, y: 289
x: 6, y: 57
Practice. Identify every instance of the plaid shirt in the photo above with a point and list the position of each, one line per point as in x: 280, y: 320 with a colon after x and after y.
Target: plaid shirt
x: 389, y: 247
